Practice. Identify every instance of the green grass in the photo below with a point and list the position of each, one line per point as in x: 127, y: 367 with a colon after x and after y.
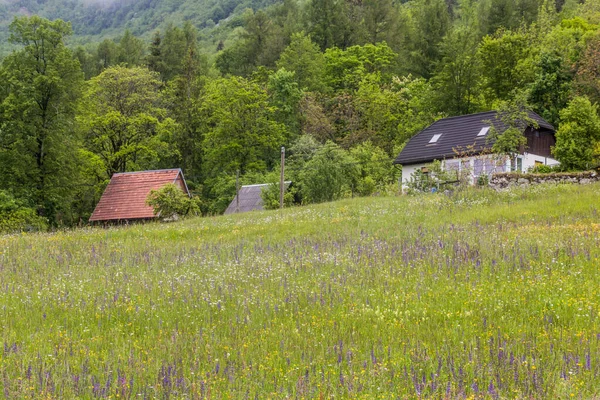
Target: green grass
x: 474, y: 295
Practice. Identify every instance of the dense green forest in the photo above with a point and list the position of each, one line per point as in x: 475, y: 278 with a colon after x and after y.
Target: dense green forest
x: 94, y: 20
x: 341, y: 84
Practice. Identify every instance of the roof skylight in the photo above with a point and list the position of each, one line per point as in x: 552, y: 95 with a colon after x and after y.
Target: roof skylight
x: 435, y: 138
x: 483, y: 131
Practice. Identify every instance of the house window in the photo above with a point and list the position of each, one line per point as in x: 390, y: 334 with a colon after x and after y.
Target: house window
x: 520, y: 164
x: 435, y: 138
x: 539, y: 163
x: 477, y: 167
x: 452, y: 166
x: 465, y: 166
x: 500, y: 165
x: 483, y: 131
x: 490, y: 166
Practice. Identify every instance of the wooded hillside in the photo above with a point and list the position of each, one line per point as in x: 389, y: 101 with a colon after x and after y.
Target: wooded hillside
x: 341, y: 84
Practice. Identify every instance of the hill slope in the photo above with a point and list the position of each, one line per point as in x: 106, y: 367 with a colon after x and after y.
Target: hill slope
x: 431, y: 296
x: 97, y: 19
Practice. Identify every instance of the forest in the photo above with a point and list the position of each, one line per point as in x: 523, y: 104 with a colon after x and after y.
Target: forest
x: 341, y: 84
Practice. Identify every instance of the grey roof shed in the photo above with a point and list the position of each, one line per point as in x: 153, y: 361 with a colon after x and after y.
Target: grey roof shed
x: 250, y: 198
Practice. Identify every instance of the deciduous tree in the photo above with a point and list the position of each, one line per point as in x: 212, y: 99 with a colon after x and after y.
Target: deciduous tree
x: 125, y: 121
x: 578, y: 137
x: 241, y: 130
x: 41, y: 85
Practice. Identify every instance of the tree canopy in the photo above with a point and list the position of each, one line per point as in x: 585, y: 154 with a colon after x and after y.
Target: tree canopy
x: 343, y: 85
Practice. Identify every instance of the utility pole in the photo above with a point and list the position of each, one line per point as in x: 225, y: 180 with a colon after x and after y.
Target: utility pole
x: 281, y: 180
x: 237, y: 191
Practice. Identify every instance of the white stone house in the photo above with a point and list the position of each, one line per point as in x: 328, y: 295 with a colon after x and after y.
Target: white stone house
x: 462, y: 145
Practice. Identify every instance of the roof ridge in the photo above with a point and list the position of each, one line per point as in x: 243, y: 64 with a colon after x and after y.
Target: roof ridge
x: 147, y: 171
x: 263, y: 184
x: 465, y: 115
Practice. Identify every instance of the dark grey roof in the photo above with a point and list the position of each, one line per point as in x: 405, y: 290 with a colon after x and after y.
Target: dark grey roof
x: 456, y: 133
x: 250, y: 198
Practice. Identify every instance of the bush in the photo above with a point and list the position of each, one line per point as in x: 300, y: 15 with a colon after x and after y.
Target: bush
x: 483, y: 180
x: 433, y: 180
x: 376, y: 169
x: 578, y: 137
x: 545, y: 169
x: 15, y: 216
x: 270, y: 196
x: 170, y: 202
x: 329, y: 175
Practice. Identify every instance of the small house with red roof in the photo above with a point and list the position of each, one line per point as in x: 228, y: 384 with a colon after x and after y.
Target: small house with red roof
x: 125, y: 196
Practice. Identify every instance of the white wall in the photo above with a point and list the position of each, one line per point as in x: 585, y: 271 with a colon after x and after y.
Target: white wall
x: 407, y: 171
x: 528, y: 161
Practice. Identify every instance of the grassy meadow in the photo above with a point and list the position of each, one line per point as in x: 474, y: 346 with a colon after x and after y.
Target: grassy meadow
x: 474, y: 295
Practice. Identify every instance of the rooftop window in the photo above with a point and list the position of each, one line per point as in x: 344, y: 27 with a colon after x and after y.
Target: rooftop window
x: 483, y: 131
x: 435, y: 138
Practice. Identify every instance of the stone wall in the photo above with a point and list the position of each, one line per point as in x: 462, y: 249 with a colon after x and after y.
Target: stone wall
x: 511, y: 179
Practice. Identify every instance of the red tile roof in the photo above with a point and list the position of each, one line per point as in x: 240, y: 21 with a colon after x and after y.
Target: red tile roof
x: 125, y: 196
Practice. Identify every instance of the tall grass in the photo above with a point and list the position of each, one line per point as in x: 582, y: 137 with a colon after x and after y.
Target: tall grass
x: 472, y: 295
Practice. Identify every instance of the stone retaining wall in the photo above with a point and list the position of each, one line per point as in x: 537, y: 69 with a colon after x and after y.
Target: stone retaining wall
x: 511, y: 179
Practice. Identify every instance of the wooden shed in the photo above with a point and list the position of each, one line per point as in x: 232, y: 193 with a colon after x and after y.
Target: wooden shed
x: 125, y: 196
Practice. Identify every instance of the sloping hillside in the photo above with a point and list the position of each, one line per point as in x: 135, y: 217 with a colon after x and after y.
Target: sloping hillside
x: 475, y: 295
x: 97, y: 19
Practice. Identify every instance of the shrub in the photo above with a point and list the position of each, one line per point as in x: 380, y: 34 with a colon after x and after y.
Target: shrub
x: 376, y: 169
x: 545, y: 169
x: 170, y: 202
x: 270, y: 196
x: 15, y: 216
x: 431, y: 179
x: 329, y: 175
x: 578, y: 137
x: 483, y: 180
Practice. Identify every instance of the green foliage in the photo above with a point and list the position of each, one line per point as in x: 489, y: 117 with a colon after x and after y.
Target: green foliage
x: 578, y: 138
x: 429, y: 22
x: 431, y: 178
x: 588, y: 72
x: 170, y: 202
x: 271, y: 196
x: 504, y: 63
x: 329, y: 175
x: 173, y: 53
x: 483, y: 180
x: 376, y: 170
x: 549, y: 92
x: 418, y: 108
x: 328, y: 70
x: 303, y: 58
x: 131, y: 50
x: 41, y: 84
x: 15, y: 216
x: 457, y: 81
x: 514, y: 116
x: 285, y: 96
x: 344, y: 69
x: 299, y: 153
x: 264, y: 37
x: 328, y: 24
x: 124, y: 120
x: 381, y: 112
x: 545, y: 169
x: 242, y: 133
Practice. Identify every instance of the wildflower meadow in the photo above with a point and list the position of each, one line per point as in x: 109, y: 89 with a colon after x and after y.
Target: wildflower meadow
x: 471, y: 295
